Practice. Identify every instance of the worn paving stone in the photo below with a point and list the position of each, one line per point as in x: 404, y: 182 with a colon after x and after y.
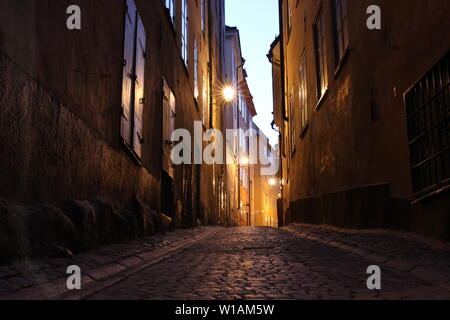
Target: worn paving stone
x: 31, y: 273
x: 223, y: 267
x: 255, y: 264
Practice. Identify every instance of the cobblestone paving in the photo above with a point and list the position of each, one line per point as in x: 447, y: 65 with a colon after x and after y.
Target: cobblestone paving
x: 264, y: 263
x: 296, y: 262
x: 414, y: 255
x: 30, y: 274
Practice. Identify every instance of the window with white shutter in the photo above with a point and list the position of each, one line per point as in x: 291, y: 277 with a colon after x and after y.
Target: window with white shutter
x: 128, y: 71
x: 139, y: 101
x: 133, y: 98
x: 169, y: 115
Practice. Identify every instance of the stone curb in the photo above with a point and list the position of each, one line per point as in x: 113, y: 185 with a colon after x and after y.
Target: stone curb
x: 102, y: 277
x: 430, y: 275
x: 433, y: 243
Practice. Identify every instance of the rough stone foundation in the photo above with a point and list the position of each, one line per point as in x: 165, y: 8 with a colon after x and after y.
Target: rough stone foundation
x: 49, y: 231
x: 373, y: 207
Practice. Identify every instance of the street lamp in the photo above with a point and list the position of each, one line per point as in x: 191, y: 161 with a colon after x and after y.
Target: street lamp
x: 228, y: 93
x: 272, y: 182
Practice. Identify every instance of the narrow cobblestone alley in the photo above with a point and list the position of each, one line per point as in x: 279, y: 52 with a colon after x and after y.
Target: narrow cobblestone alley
x: 263, y: 263
x: 298, y: 262
x: 190, y: 151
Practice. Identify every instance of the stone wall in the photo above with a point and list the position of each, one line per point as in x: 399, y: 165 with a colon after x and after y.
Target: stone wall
x: 49, y: 231
x: 48, y: 154
x: 372, y: 207
x: 49, y: 158
x: 357, y: 134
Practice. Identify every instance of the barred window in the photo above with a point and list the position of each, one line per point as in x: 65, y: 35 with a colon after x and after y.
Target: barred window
x: 428, y: 117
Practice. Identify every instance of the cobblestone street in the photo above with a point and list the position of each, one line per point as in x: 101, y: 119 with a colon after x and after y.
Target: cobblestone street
x: 296, y: 262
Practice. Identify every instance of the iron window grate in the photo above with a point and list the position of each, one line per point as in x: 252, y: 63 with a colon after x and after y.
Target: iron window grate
x: 428, y: 118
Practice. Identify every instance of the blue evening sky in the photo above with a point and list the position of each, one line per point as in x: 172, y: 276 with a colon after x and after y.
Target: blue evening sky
x: 257, y: 21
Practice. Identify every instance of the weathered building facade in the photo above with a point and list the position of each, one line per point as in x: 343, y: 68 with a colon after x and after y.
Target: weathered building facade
x: 264, y: 189
x: 245, y: 184
x: 236, y: 121
x: 89, y: 113
x: 364, y: 114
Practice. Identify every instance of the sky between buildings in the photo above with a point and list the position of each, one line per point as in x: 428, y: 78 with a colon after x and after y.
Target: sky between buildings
x: 257, y: 21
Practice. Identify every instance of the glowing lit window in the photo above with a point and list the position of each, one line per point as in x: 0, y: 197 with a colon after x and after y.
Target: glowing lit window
x: 321, y: 57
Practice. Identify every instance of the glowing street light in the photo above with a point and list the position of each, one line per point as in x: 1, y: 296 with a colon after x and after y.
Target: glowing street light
x: 228, y: 93
x: 272, y: 181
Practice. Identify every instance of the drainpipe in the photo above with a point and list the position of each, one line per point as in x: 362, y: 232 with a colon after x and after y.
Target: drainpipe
x: 283, y: 100
x: 282, y: 60
x: 210, y: 78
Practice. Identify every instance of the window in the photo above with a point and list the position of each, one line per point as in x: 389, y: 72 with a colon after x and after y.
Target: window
x: 196, y: 91
x: 321, y: 60
x: 239, y: 101
x: 184, y: 31
x: 203, y: 13
x: 428, y: 117
x: 244, y: 110
x: 286, y: 138
x: 133, y: 80
x: 265, y: 151
x: 340, y: 30
x: 303, y: 92
x: 205, y: 101
x: 170, y: 5
x: 169, y: 115
x: 289, y: 16
x: 287, y: 148
x: 292, y: 120
x: 241, y: 141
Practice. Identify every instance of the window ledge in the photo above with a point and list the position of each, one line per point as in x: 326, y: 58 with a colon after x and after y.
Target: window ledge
x: 341, y: 64
x: 304, y: 130
x: 132, y: 154
x: 169, y: 18
x: 431, y: 195
x: 185, y: 66
x: 322, y: 99
x: 197, y: 105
